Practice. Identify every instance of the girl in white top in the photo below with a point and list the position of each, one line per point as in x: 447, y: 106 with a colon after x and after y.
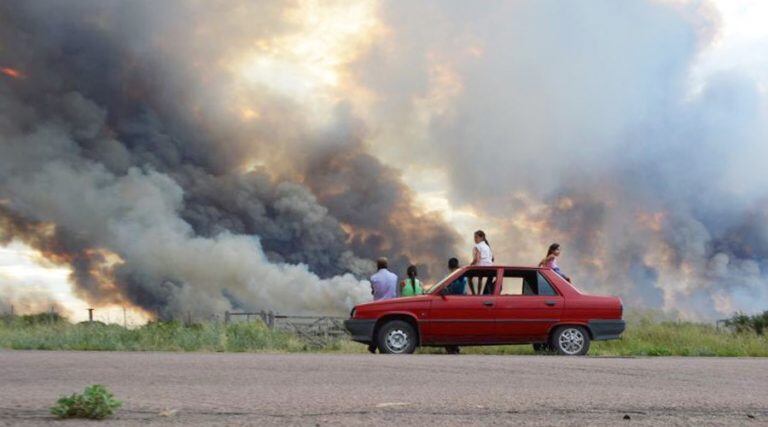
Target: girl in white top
x: 481, y: 255
x: 481, y: 252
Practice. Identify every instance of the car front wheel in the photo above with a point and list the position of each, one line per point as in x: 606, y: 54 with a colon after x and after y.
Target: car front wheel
x: 397, y: 337
x: 570, y: 341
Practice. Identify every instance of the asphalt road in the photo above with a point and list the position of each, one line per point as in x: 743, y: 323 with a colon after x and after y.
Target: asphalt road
x: 318, y: 389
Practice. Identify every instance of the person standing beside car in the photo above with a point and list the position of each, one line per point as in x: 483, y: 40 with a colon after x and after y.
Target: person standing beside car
x: 411, y: 285
x: 384, y: 282
x: 383, y: 286
x: 458, y: 286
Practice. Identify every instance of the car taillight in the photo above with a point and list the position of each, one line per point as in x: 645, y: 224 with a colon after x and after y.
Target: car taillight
x: 352, y: 314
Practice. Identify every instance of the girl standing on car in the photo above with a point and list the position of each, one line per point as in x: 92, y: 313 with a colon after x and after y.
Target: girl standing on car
x: 550, y: 261
x: 481, y: 252
x: 411, y: 286
x: 481, y: 255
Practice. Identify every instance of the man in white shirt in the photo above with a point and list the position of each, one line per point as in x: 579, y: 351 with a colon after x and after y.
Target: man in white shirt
x: 383, y: 286
x: 384, y: 282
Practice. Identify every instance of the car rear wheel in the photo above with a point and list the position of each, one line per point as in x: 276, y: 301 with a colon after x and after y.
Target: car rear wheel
x: 570, y: 341
x: 397, y: 337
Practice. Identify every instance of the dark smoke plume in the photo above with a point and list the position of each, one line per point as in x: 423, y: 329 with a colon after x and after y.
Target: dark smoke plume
x: 114, y: 144
x: 128, y: 138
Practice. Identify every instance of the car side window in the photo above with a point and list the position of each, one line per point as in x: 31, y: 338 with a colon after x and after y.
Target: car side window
x: 545, y: 288
x: 525, y: 283
x: 473, y: 283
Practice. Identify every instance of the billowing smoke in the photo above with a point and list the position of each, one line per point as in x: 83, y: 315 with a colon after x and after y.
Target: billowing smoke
x: 583, y: 124
x: 199, y: 156
x: 18, y: 299
x: 120, y: 159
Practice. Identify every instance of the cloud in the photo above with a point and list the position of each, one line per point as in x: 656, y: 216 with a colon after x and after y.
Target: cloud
x: 577, y: 123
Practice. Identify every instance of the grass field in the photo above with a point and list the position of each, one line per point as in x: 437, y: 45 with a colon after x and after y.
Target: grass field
x: 645, y: 336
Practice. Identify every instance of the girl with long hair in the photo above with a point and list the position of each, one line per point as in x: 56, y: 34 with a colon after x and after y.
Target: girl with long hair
x: 481, y: 255
x: 550, y: 261
x: 411, y: 285
x: 481, y: 252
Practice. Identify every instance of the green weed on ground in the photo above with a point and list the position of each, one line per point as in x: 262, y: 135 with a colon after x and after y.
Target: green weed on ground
x: 95, y: 403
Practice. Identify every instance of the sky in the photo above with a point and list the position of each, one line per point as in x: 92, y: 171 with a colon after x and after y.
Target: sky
x: 529, y: 120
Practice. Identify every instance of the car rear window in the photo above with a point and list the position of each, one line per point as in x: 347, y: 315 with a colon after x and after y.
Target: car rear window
x: 526, y: 283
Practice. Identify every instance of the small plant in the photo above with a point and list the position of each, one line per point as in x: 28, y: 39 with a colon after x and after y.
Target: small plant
x: 96, y: 403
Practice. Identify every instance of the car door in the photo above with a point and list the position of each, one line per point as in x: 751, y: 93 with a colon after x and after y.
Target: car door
x: 464, y: 319
x: 527, y: 306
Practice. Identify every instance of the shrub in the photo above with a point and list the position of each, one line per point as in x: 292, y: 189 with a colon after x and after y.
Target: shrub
x: 96, y: 403
x: 741, y: 322
x: 41, y: 318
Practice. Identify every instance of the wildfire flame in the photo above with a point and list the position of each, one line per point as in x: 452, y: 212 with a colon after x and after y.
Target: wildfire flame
x: 10, y: 72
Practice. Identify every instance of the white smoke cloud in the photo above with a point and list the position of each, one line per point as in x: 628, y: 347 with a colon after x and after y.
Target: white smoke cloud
x: 569, y: 122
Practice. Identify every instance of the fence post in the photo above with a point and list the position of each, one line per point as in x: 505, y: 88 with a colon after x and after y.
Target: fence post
x: 271, y: 321
x: 263, y: 315
x: 226, y: 317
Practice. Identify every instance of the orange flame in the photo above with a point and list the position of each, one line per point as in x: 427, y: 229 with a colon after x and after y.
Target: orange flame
x: 10, y: 72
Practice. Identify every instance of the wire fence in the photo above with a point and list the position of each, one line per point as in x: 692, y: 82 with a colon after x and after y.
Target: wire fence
x: 112, y: 315
x: 316, y: 330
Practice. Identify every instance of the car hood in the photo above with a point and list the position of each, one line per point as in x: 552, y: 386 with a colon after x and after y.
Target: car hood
x: 393, y: 301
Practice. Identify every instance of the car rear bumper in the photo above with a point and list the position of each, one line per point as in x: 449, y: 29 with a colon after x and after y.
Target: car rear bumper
x: 361, y: 329
x: 606, y: 329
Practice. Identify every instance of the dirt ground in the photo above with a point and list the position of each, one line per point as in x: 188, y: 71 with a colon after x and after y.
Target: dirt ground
x: 317, y: 389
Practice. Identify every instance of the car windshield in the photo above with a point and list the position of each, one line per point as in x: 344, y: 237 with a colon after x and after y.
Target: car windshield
x: 434, y: 287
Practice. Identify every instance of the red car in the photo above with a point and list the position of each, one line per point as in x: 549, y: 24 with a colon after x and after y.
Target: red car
x: 491, y: 306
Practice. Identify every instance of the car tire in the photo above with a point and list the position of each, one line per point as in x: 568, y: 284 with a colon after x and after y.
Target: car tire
x: 541, y: 347
x: 397, y: 337
x: 570, y: 341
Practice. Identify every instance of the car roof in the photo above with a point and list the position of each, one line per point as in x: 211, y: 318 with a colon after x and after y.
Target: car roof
x: 522, y: 267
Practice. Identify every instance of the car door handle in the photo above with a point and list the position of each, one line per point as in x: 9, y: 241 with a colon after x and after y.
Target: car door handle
x: 550, y: 303
x: 488, y: 303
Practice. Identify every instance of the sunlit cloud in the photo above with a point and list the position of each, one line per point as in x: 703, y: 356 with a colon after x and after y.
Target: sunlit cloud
x: 307, y: 64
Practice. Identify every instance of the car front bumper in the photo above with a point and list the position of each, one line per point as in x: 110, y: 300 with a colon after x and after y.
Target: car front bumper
x: 361, y: 329
x: 606, y: 329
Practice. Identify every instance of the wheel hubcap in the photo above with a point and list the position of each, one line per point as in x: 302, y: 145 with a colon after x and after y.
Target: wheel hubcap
x: 571, y: 341
x: 397, y: 340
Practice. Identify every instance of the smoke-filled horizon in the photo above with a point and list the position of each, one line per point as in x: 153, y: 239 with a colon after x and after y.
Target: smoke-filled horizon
x: 199, y: 157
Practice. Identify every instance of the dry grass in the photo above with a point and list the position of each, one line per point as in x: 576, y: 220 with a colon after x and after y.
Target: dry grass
x: 647, y: 334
